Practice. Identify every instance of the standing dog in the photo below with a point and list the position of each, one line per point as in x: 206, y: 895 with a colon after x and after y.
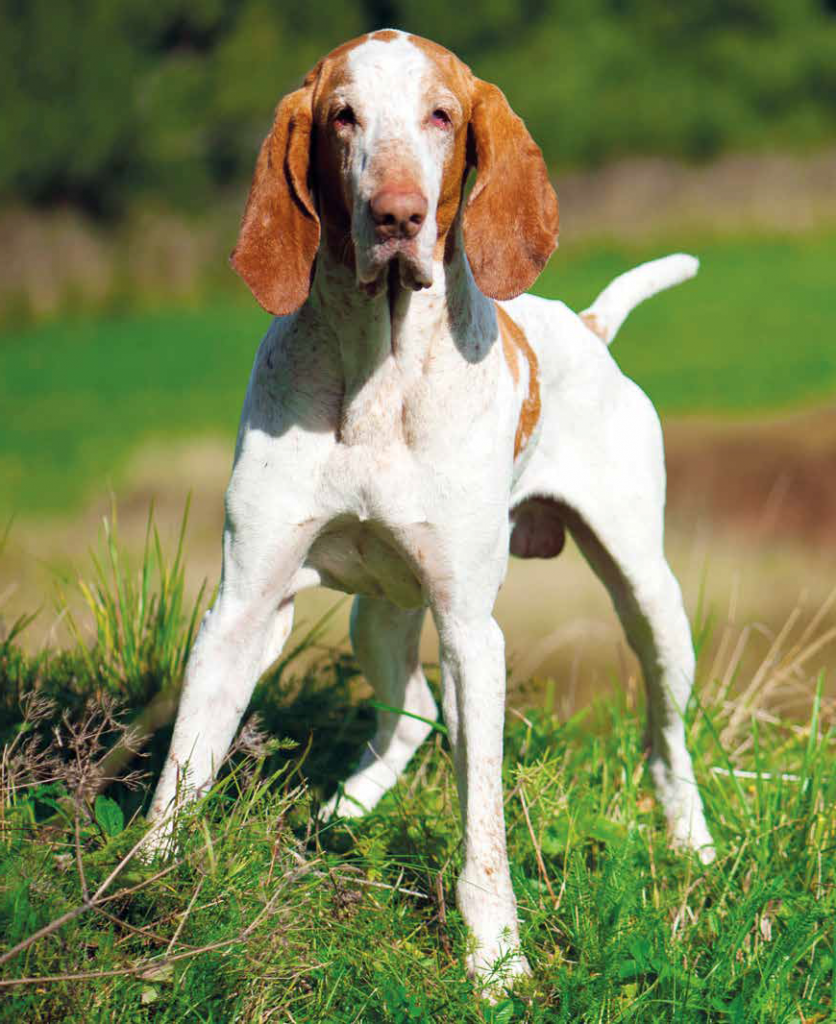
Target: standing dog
x: 410, y: 418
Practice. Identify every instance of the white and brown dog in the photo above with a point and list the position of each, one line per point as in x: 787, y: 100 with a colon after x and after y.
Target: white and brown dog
x: 411, y: 418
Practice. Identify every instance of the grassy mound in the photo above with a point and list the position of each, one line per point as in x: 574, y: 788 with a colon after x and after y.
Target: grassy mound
x: 263, y: 915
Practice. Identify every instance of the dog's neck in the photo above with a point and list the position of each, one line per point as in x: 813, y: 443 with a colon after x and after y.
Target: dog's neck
x: 386, y: 340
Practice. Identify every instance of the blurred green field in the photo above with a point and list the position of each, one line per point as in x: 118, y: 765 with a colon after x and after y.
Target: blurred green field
x: 754, y: 332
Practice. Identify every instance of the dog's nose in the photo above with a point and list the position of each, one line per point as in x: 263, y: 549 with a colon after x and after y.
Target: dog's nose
x: 398, y: 214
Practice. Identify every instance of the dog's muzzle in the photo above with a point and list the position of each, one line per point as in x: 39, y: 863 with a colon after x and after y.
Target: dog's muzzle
x: 396, y: 217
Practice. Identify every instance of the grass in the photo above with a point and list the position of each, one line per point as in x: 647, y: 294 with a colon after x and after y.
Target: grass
x: 263, y: 916
x: 753, y: 332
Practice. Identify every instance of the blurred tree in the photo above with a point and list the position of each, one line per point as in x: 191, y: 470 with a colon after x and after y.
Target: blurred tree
x: 104, y: 103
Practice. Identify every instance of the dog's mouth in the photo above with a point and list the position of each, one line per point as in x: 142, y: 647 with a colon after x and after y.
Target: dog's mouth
x: 394, y: 262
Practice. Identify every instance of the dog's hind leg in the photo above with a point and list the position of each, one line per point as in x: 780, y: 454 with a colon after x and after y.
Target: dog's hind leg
x: 277, y: 636
x: 385, y: 639
x: 610, y: 493
x: 648, y: 601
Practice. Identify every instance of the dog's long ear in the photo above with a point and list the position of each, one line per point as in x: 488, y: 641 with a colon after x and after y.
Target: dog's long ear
x: 279, y: 233
x: 511, y: 219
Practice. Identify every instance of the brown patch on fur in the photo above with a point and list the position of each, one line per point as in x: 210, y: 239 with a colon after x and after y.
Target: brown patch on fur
x: 591, y: 321
x: 334, y: 202
x: 280, y: 230
x: 514, y: 341
x: 511, y: 219
x: 510, y: 222
x: 335, y: 58
x: 509, y: 349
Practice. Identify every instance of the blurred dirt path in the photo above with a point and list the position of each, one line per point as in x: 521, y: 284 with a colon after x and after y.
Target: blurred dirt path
x: 646, y: 196
x: 53, y: 259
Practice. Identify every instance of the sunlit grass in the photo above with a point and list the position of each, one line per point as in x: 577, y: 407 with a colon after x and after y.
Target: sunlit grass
x: 263, y: 915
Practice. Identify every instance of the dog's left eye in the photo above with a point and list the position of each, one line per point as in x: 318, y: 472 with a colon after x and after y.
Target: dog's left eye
x: 440, y: 118
x: 344, y: 118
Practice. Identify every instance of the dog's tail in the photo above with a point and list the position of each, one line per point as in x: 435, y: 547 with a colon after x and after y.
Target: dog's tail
x: 609, y: 311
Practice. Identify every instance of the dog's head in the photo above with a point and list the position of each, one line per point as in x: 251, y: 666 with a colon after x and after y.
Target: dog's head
x: 371, y: 156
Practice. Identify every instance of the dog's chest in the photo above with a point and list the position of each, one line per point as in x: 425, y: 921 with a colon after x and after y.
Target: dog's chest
x: 390, y: 387
x: 374, y: 408
x: 381, y: 505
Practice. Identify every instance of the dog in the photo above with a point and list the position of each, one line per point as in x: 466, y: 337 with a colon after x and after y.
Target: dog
x: 411, y: 418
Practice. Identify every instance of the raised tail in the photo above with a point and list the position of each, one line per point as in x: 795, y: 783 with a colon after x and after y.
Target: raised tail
x: 609, y: 311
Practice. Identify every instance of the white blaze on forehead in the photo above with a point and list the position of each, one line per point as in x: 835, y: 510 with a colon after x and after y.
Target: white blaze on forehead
x: 389, y: 77
x: 388, y: 83
x: 392, y: 85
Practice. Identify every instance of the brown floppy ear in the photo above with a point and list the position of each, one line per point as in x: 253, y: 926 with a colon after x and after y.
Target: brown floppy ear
x: 279, y: 233
x: 511, y: 219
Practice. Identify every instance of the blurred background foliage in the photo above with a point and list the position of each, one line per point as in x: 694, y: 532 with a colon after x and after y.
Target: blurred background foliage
x: 107, y: 103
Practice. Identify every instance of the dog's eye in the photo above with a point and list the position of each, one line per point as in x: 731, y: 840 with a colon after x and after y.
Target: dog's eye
x: 344, y: 118
x: 440, y: 118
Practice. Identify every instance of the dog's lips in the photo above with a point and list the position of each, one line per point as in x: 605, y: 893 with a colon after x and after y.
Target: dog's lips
x: 412, y: 274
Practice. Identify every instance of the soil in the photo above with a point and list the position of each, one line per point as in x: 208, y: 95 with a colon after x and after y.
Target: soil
x: 767, y: 479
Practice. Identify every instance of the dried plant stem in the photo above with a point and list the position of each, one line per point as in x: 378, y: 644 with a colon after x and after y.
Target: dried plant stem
x: 134, y: 929
x: 184, y: 917
x: 541, y: 866
x: 144, y: 965
x: 88, y: 903
x: 338, y: 876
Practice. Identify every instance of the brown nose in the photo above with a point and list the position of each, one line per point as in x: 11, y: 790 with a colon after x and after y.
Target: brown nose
x: 398, y: 214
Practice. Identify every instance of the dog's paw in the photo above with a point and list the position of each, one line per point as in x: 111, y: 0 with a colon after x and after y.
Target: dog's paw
x: 495, y: 968
x: 691, y: 834
x: 342, y: 805
x: 158, y: 843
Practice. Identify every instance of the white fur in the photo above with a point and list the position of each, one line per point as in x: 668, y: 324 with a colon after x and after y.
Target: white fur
x: 612, y: 307
x: 376, y: 456
x: 388, y: 86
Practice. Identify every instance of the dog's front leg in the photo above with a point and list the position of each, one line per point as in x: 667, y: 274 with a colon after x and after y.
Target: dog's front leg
x: 473, y: 680
x: 225, y: 663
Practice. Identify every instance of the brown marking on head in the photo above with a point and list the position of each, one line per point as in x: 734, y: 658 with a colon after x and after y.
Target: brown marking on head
x: 335, y: 204
x: 385, y: 35
x: 456, y: 77
x: 334, y: 60
x: 510, y: 222
x: 513, y: 337
x: 280, y: 230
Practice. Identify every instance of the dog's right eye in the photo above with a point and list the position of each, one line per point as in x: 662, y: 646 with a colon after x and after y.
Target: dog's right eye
x: 344, y: 118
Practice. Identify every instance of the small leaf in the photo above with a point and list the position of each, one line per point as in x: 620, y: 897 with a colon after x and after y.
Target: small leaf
x: 149, y: 995
x: 158, y: 972
x: 502, y: 1012
x: 109, y: 815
